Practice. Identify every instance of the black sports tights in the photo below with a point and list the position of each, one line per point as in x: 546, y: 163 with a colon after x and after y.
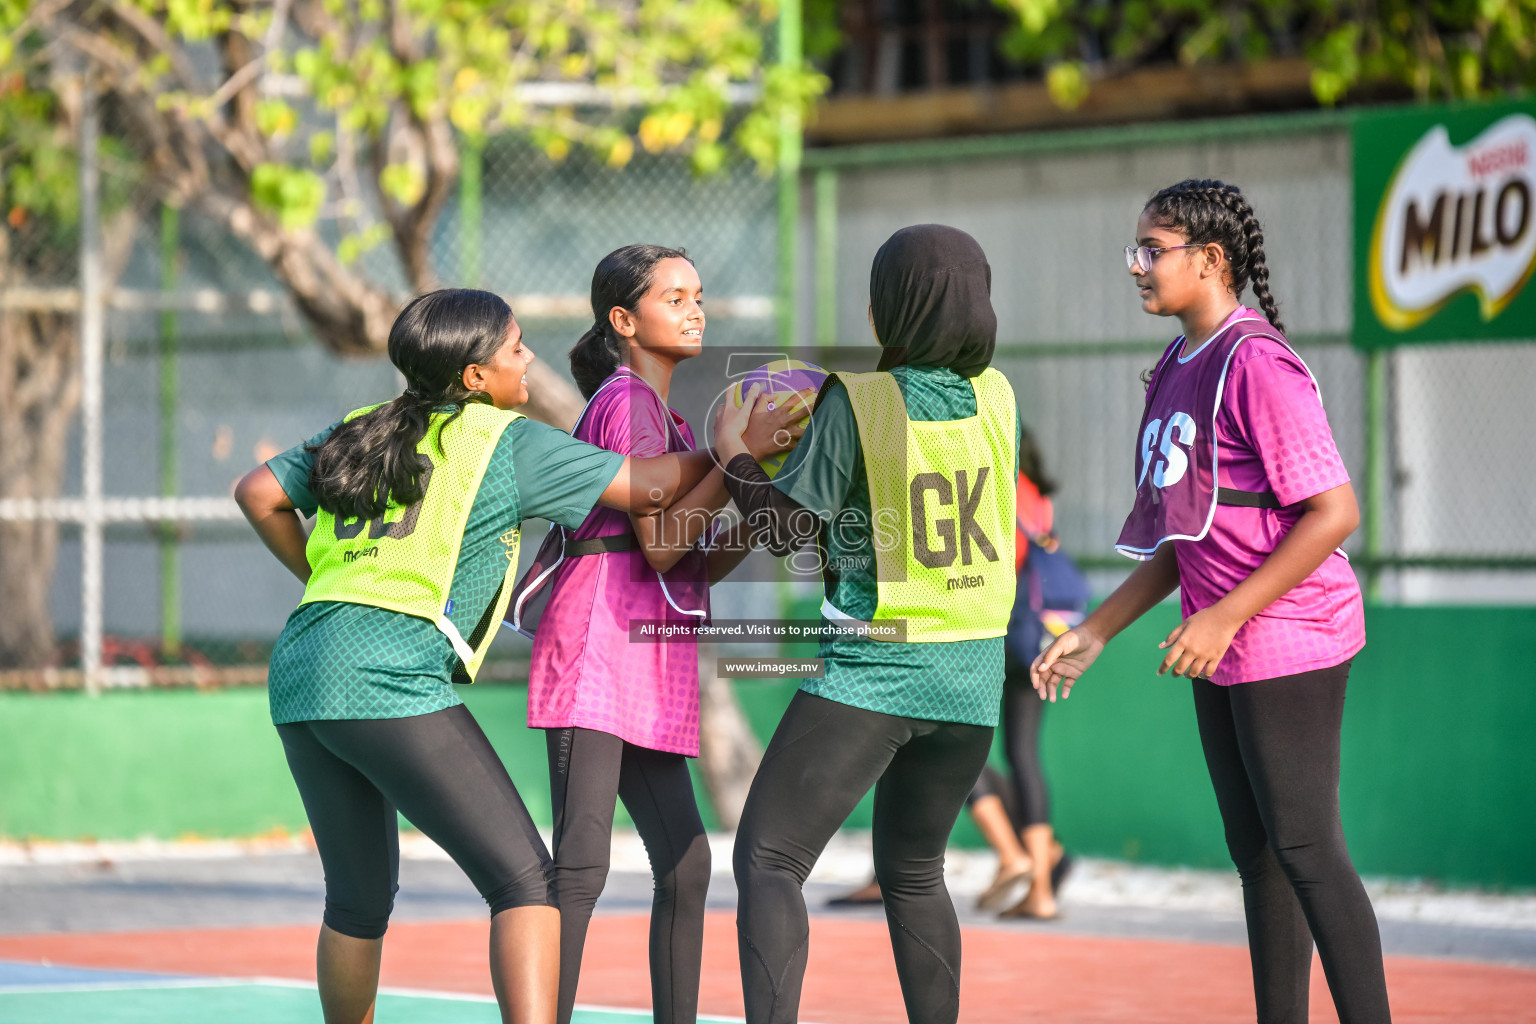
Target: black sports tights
x: 587, y: 770
x: 822, y: 759
x: 440, y: 772
x: 1272, y: 748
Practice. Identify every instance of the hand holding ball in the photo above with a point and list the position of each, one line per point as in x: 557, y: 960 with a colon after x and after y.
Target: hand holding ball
x: 784, y: 392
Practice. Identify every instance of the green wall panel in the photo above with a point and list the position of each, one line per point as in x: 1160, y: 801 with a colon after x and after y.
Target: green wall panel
x: 1439, y: 765
x: 1438, y: 776
x: 153, y: 763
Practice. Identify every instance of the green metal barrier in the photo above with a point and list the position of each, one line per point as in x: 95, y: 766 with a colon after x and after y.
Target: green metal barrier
x: 1437, y: 764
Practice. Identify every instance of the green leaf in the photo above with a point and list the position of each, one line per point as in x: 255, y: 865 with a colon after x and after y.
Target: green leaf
x: 353, y: 246
x: 275, y: 119
x: 1067, y: 83
x: 293, y: 195
x: 322, y: 146
x: 404, y: 183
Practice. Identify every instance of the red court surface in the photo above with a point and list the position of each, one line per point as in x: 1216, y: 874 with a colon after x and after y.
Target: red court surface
x: 1009, y: 976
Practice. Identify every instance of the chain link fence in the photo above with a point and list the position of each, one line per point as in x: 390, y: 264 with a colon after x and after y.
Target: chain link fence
x: 1433, y: 436
x: 206, y: 369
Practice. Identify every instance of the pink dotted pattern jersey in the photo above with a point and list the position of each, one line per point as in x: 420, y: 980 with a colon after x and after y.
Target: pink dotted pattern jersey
x: 584, y: 671
x: 1272, y: 434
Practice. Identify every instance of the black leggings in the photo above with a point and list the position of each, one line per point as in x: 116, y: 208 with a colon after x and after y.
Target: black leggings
x: 1025, y: 794
x: 822, y: 759
x: 440, y: 772
x: 587, y: 770
x: 1272, y: 748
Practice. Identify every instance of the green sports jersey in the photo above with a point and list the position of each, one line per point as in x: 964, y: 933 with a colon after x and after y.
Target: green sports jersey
x: 960, y: 681
x: 337, y: 660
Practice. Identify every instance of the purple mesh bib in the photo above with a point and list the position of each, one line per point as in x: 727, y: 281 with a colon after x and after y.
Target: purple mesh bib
x: 1176, y: 485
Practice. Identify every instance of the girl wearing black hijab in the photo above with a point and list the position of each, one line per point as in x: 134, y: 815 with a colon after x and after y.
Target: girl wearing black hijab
x: 906, y: 484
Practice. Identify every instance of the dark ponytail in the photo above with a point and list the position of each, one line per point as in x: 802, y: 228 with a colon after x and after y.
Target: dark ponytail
x: 1205, y: 210
x: 371, y: 462
x: 621, y: 279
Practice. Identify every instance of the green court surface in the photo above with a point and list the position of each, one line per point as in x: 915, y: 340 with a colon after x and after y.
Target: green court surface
x: 249, y: 1002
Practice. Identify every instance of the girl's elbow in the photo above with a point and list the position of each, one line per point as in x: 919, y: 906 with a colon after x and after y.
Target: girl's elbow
x: 247, y: 491
x: 660, y: 561
x: 1351, y: 519
x: 1346, y: 513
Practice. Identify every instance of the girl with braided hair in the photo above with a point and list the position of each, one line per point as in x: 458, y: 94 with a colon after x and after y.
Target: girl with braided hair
x: 1242, y: 502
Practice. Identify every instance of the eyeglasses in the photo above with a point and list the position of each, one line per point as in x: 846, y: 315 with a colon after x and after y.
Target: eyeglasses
x: 1140, y: 256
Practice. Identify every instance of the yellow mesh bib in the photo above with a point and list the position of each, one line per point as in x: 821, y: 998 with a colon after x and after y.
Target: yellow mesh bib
x: 405, y: 559
x: 942, y: 495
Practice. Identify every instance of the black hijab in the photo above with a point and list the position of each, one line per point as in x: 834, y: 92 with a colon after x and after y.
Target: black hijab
x: 930, y: 291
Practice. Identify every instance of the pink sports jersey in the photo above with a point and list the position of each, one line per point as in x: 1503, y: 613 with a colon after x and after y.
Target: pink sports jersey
x: 1271, y: 434
x: 584, y: 671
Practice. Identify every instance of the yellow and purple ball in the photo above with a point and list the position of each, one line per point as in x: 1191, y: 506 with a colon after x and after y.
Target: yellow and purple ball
x: 780, y: 379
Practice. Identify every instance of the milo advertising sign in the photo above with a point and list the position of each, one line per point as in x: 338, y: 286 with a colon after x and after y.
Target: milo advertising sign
x: 1445, y: 224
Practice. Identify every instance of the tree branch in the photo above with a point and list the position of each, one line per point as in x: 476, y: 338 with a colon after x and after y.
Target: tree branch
x: 154, y: 36
x: 412, y: 225
x: 247, y: 74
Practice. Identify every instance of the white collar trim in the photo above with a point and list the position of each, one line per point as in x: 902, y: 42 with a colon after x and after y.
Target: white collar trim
x: 1214, y: 335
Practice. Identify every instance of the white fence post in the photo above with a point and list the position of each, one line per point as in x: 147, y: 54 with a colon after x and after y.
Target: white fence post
x: 92, y: 325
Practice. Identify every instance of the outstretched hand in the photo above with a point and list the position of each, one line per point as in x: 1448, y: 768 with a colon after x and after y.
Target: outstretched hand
x: 1060, y: 664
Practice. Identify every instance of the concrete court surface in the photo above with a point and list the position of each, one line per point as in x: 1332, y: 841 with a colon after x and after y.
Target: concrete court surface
x: 200, y: 929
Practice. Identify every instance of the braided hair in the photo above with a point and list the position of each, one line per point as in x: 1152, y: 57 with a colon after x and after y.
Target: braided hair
x: 1205, y: 210
x: 621, y: 279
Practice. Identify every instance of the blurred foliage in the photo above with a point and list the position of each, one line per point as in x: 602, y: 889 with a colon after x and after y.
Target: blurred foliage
x: 37, y: 177
x: 368, y: 90
x: 39, y: 185
x: 1437, y: 49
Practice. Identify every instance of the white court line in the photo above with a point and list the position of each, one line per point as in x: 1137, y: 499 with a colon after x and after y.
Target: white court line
x: 407, y: 993
x: 122, y: 986
x: 630, y: 1011
x: 216, y: 982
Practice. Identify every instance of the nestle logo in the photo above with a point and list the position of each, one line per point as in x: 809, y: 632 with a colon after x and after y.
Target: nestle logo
x: 1494, y: 159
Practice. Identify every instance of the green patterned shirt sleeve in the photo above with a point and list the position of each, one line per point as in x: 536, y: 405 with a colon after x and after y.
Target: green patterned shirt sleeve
x: 558, y: 477
x: 820, y: 471
x: 292, y: 471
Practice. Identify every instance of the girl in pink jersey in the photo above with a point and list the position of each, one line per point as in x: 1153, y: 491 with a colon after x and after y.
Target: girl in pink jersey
x: 622, y: 718
x: 1242, y: 502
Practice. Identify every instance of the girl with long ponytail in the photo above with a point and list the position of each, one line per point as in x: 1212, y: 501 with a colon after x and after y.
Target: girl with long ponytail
x: 1241, y: 503
x: 621, y: 719
x: 418, y: 503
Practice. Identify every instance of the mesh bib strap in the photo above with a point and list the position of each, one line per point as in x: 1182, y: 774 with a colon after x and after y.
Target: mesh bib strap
x: 1247, y: 499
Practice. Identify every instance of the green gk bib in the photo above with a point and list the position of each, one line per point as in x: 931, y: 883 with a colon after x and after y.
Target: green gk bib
x: 942, y: 495
x: 404, y: 560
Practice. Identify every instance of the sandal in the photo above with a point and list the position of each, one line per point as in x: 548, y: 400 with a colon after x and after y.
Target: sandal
x: 1020, y: 911
x: 997, y: 894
